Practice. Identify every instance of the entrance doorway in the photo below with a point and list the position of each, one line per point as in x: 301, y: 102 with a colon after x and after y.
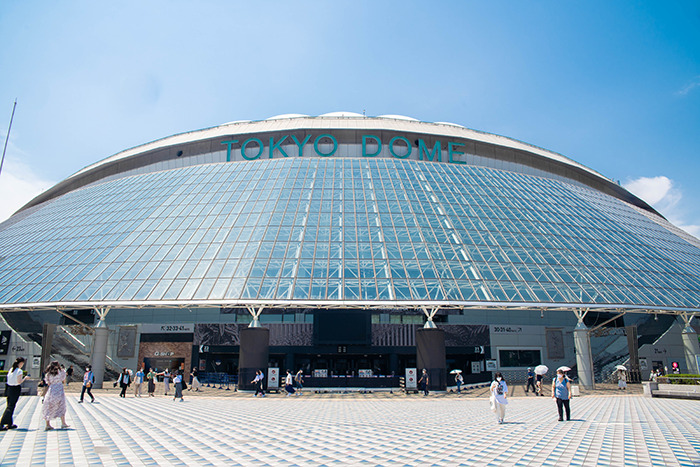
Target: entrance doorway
x: 343, y: 364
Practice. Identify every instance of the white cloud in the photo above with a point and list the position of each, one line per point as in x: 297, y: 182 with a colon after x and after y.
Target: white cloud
x: 689, y: 87
x: 665, y: 198
x: 18, y: 185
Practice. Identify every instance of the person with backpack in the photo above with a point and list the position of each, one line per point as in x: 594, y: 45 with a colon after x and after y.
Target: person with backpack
x: 299, y: 381
x: 499, y: 397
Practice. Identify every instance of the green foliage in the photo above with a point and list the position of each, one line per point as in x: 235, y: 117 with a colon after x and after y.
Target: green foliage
x: 680, y: 379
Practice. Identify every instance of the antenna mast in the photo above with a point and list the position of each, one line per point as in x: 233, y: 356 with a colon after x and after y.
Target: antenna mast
x: 7, y: 138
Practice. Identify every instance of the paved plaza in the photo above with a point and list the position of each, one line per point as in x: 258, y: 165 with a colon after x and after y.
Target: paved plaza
x: 346, y: 430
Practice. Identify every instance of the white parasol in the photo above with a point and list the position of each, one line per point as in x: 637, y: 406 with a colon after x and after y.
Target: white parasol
x: 621, y: 367
x: 454, y: 372
x: 564, y: 368
x: 541, y: 369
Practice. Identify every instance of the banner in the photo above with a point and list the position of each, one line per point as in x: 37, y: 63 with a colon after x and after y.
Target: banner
x: 5, y: 342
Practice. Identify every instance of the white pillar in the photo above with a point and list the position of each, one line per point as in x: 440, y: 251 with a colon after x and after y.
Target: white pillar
x: 584, y: 360
x: 692, y: 349
x: 99, y: 352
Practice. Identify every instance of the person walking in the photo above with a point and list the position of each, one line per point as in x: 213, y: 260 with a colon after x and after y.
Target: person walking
x: 177, y: 382
x: 88, y: 381
x: 499, y: 397
x: 151, y: 378
x: 299, y: 381
x: 138, y: 382
x: 55, y: 399
x: 195, y: 380
x: 538, y: 385
x: 530, y: 381
x: 288, y: 383
x: 15, y: 378
x: 124, y: 381
x: 561, y: 391
x: 166, y: 380
x: 459, y: 380
x: 621, y: 380
x: 258, y: 382
x: 69, y: 375
x: 425, y: 382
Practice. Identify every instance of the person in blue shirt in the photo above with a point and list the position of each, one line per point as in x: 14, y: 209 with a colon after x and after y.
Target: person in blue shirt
x: 561, y: 391
x: 88, y: 381
x: 530, y: 381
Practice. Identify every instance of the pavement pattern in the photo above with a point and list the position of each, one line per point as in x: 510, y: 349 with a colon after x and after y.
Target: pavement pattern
x: 364, y: 430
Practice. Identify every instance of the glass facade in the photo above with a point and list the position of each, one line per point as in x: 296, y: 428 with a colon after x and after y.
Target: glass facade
x: 351, y: 229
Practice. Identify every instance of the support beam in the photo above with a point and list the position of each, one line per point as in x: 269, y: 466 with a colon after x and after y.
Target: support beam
x: 99, y: 347
x: 582, y: 345
x: 690, y: 345
x: 430, y: 355
x: 429, y: 324
x: 254, y: 355
x: 256, y: 316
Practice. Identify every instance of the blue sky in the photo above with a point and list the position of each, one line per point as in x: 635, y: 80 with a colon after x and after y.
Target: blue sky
x: 612, y: 85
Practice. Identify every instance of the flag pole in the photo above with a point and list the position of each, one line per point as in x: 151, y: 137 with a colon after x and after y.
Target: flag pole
x: 7, y: 138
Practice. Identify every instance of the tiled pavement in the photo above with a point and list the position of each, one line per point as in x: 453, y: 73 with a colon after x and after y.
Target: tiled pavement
x: 356, y: 430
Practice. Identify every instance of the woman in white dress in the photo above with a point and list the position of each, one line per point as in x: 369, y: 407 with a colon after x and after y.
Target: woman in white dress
x: 55, y: 399
x: 499, y: 395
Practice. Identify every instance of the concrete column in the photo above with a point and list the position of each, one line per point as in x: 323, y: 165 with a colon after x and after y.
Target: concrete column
x: 584, y: 360
x: 430, y: 353
x: 254, y: 355
x: 99, y: 352
x: 692, y: 349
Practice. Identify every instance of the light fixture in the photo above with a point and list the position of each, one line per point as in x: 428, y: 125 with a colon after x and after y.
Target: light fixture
x: 542, y: 313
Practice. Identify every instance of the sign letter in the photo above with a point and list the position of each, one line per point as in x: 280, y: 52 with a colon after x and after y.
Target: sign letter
x: 228, y: 148
x: 364, y: 145
x: 436, y: 152
x: 278, y: 146
x: 245, y: 145
x: 450, y: 147
x: 319, y: 138
x: 302, y: 144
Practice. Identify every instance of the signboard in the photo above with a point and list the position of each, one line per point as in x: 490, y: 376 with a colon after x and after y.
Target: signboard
x: 320, y: 373
x: 411, y: 378
x: 326, y: 145
x: 643, y: 363
x: 5, y: 342
x: 476, y: 367
x: 273, y: 378
x: 36, y: 362
x: 364, y: 373
x: 491, y: 365
x: 167, y: 328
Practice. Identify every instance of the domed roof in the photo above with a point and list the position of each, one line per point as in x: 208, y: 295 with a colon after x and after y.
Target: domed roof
x: 341, y: 114
x: 283, y: 116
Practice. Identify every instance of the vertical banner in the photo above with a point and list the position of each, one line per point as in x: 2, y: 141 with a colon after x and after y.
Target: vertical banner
x: 5, y: 342
x: 273, y: 378
x: 411, y: 378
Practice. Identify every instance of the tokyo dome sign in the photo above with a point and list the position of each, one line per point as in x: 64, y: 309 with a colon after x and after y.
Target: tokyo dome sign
x: 326, y: 145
